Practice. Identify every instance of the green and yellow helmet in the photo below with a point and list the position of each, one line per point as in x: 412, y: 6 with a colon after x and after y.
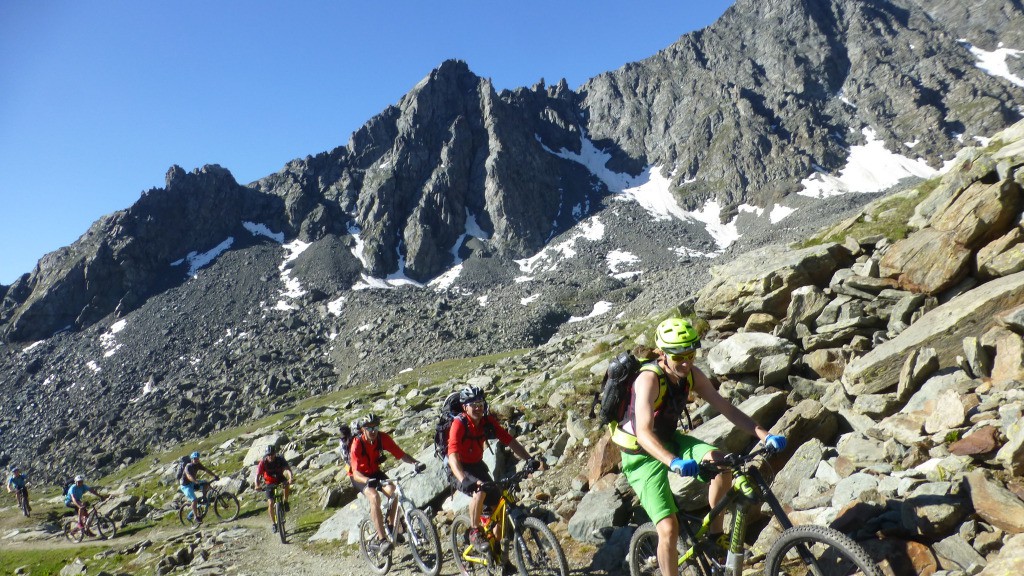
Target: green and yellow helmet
x: 676, y: 335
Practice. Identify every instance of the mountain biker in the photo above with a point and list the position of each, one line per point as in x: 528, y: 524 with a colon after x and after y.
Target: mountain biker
x: 365, y: 472
x: 190, y: 481
x: 273, y: 470
x: 75, y: 498
x: 466, y: 452
x: 652, y: 446
x: 16, y: 482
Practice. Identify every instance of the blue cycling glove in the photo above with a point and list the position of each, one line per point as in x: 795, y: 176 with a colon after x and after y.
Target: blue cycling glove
x: 775, y: 443
x: 684, y: 467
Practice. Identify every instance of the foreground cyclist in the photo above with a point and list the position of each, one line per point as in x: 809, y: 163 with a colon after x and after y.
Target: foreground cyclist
x: 75, y: 498
x: 365, y: 472
x: 190, y: 481
x: 466, y: 440
x: 652, y: 446
x: 273, y: 470
x: 17, y: 482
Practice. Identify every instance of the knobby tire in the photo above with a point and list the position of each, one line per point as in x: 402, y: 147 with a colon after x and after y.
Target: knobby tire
x: 643, y: 553
x: 542, y: 554
x: 459, y: 543
x: 105, y: 527
x: 424, y: 542
x: 834, y: 553
x: 226, y: 507
x: 379, y: 563
x: 280, y: 514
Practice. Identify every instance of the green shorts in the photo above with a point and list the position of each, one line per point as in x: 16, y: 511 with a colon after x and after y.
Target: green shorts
x: 649, y: 477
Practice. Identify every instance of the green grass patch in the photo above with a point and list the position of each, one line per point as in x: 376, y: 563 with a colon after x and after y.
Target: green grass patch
x: 45, y: 562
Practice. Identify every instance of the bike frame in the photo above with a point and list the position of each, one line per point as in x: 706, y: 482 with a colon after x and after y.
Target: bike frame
x: 503, y: 523
x: 403, y: 507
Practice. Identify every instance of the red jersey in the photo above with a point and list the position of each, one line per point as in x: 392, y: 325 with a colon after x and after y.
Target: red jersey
x: 467, y: 439
x: 364, y: 456
x: 272, y: 469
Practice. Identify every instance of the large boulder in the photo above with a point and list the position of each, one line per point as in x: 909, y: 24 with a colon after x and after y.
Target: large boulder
x: 943, y: 329
x: 742, y: 353
x: 725, y: 435
x: 764, y: 280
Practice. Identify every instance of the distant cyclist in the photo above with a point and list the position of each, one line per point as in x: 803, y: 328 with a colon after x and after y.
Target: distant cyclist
x: 75, y: 498
x: 17, y: 483
x: 190, y: 481
x: 273, y: 471
x: 364, y: 469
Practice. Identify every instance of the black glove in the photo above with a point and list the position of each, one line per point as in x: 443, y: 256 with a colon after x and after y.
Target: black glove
x: 373, y: 483
x: 420, y: 467
x: 468, y: 484
x: 532, y: 465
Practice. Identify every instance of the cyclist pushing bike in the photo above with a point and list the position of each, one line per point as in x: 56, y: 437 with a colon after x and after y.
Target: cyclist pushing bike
x: 190, y: 481
x: 652, y: 446
x: 273, y: 471
x: 366, y: 454
x: 75, y: 498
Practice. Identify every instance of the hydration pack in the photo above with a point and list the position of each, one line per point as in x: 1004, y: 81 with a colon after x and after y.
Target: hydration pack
x: 451, y: 409
x: 348, y: 435
x: 617, y: 387
x: 179, y: 468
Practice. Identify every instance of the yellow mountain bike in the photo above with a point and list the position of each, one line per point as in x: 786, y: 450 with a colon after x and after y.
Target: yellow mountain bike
x: 513, y: 536
x: 799, y: 551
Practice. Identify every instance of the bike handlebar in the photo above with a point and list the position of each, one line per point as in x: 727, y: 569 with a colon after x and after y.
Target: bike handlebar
x: 733, y: 461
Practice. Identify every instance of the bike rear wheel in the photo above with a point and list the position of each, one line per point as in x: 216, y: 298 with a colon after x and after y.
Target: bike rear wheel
x: 461, y: 546
x: 106, y: 527
x: 536, y: 550
x: 226, y: 507
x: 643, y: 553
x: 187, y: 518
x: 279, y: 513
x: 818, y: 551
x: 72, y: 531
x: 425, y: 545
x: 379, y: 563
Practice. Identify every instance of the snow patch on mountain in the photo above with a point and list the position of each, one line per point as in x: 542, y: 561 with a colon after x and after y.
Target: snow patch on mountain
x: 601, y: 307
x: 547, y: 259
x: 994, y: 62
x: 197, y: 260
x: 870, y: 167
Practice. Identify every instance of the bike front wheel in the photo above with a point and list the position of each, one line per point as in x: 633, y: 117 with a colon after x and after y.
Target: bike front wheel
x: 425, y: 545
x: 23, y: 502
x: 537, y: 551
x: 105, y: 527
x: 368, y: 547
x: 279, y: 513
x: 643, y: 553
x: 226, y: 507
x: 818, y: 551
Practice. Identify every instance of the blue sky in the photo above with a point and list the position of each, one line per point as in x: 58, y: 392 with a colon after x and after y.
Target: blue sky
x: 98, y: 99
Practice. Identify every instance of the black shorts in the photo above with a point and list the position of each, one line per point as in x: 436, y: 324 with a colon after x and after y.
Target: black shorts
x: 360, y: 486
x: 479, y: 471
x: 269, y: 489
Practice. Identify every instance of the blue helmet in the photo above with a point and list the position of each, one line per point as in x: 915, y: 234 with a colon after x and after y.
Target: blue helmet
x: 195, y: 455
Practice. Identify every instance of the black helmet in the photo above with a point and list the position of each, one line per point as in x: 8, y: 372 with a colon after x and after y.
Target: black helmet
x: 471, y: 394
x: 271, y: 449
x: 368, y: 420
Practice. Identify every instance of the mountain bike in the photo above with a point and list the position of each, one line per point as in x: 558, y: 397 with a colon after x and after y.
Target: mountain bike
x: 105, y: 527
x: 22, y: 495
x: 406, y: 522
x: 225, y: 505
x: 799, y: 551
x: 280, y: 510
x: 512, y: 535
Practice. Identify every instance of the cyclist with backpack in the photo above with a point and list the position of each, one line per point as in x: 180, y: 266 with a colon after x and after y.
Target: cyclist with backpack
x: 17, y: 482
x: 190, y: 481
x: 272, y: 471
x: 469, y: 430
x: 366, y: 452
x: 74, y: 497
x: 651, y: 445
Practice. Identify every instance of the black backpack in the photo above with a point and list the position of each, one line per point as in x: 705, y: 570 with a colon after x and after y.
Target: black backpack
x: 451, y: 409
x: 615, y: 391
x: 348, y: 435
x: 179, y: 469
